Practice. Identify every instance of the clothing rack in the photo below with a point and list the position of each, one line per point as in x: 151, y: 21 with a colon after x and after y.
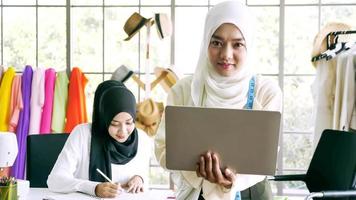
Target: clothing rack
x: 331, y: 45
x: 336, y: 38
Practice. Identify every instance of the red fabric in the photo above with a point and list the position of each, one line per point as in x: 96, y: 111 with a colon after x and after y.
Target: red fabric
x: 76, y: 107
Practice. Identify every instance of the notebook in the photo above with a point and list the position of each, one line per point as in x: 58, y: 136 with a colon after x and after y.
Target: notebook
x: 246, y: 140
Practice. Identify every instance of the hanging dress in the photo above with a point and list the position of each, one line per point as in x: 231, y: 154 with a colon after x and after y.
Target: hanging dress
x: 46, y: 119
x: 16, y: 104
x: 76, y: 107
x: 334, y: 94
x: 37, y: 100
x: 5, y: 97
x: 18, y: 169
x: 60, y: 102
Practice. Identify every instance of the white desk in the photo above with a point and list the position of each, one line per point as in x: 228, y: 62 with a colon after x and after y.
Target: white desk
x: 43, y: 193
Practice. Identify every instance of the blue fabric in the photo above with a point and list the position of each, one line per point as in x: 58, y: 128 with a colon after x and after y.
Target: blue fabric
x: 249, y: 105
x: 250, y: 94
x: 238, y: 195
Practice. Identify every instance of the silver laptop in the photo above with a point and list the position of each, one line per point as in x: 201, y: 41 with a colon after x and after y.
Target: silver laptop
x: 246, y: 140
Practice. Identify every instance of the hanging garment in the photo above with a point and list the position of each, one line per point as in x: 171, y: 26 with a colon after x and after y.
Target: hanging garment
x: 76, y: 108
x: 334, y: 94
x: 37, y: 100
x: 16, y: 104
x: 18, y: 169
x: 5, y: 97
x: 46, y: 119
x: 60, y: 102
x: 344, y: 104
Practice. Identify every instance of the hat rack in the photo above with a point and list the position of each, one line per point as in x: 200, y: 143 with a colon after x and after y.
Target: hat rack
x: 334, y: 47
x: 164, y: 28
x: 152, y: 84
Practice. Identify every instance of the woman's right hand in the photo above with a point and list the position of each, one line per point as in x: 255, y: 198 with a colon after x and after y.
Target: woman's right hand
x: 209, y: 168
x: 107, y: 190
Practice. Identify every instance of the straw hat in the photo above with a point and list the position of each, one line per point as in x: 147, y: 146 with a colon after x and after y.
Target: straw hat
x: 148, y: 115
x: 319, y: 45
x: 163, y: 25
x: 169, y: 78
x: 134, y: 23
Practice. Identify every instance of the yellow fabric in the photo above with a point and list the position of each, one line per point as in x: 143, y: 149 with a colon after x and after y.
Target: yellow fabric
x: 5, y: 97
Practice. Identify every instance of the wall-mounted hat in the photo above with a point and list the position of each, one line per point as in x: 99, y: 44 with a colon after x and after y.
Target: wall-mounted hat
x: 163, y: 25
x: 319, y: 45
x: 169, y: 78
x: 148, y: 115
x: 134, y: 23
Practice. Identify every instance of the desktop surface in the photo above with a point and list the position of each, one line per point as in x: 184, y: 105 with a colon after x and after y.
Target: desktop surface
x: 45, y: 194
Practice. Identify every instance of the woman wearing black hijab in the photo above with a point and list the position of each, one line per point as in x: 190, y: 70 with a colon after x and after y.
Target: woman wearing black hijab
x: 111, y: 144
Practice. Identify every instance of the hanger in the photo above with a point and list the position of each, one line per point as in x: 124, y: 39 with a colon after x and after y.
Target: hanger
x: 335, y: 47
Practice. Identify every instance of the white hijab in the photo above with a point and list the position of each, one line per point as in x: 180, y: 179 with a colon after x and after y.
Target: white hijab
x: 208, y: 87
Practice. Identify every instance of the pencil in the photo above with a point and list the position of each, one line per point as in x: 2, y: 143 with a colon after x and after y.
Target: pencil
x: 101, y: 173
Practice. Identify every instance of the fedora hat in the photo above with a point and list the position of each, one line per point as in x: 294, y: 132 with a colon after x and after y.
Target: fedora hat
x: 319, y: 44
x: 148, y: 115
x: 134, y: 23
x: 121, y: 74
x: 163, y: 25
x: 169, y: 78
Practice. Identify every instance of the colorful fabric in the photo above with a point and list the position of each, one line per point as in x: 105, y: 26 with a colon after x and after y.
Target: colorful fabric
x: 5, y: 97
x: 37, y: 100
x: 76, y: 108
x: 60, y: 102
x: 16, y: 104
x: 46, y: 119
x: 18, y: 169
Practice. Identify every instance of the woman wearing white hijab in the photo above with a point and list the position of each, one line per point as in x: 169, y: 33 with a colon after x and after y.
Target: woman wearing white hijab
x: 222, y: 79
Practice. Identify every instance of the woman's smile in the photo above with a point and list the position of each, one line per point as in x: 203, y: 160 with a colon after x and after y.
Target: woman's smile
x: 226, y: 66
x: 119, y: 136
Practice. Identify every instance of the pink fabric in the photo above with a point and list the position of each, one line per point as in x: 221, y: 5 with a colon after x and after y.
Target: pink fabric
x: 16, y: 103
x: 37, y: 100
x: 46, y: 119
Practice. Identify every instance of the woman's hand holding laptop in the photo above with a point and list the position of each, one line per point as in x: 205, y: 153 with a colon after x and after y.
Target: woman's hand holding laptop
x: 209, y: 168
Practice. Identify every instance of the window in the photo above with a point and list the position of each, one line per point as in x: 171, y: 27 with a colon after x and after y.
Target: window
x: 89, y: 34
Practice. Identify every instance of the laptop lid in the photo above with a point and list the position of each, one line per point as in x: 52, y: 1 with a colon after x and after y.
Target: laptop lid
x: 246, y: 140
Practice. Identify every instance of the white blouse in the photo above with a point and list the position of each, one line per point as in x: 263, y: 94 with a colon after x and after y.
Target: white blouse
x: 71, y: 171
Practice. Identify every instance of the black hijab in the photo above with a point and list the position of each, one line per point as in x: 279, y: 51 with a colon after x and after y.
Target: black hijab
x: 111, y: 97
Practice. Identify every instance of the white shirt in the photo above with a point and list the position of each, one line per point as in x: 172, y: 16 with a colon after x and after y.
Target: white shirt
x: 71, y: 171
x: 334, y: 94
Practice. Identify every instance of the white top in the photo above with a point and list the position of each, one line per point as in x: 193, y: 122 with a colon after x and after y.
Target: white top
x: 334, y: 94
x: 71, y: 171
x: 268, y: 96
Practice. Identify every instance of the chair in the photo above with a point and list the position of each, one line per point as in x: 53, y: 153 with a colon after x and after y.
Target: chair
x: 332, y: 170
x: 42, y: 153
